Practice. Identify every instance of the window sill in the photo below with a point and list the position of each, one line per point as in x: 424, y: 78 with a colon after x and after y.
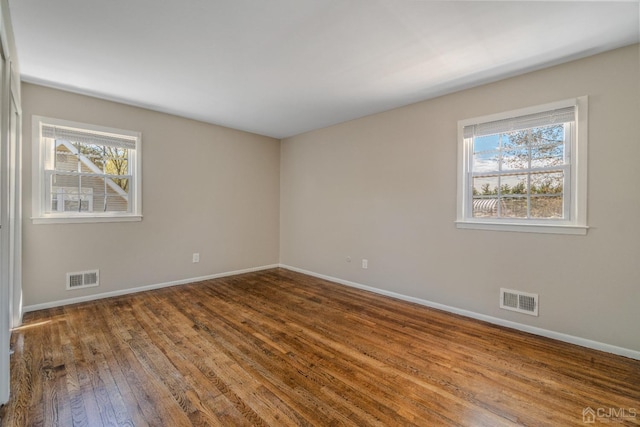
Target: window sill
x: 85, y: 219
x: 524, y: 228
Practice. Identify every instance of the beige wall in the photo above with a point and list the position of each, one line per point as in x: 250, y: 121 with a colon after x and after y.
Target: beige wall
x: 206, y: 189
x: 384, y: 188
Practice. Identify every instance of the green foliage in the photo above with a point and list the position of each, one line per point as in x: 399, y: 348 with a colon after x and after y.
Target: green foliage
x: 546, y: 185
x: 519, y: 188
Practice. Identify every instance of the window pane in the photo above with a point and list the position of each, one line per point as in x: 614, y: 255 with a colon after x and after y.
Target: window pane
x: 91, y: 155
x: 122, y: 183
x: 516, y: 139
x: 65, y: 159
x: 117, y: 166
x: 82, y: 193
x: 486, y: 143
x: 547, y: 183
x: 485, y: 186
x: 485, y: 197
x: 64, y: 181
x: 118, y: 185
x: 514, y: 159
x: 117, y: 203
x: 486, y: 153
x: 487, y: 161
x: 97, y: 186
x: 68, y: 195
x: 76, y: 205
x: 513, y: 207
x: 117, y: 197
x: 94, y: 150
x: 547, y: 207
x: 543, y: 156
x: 117, y: 153
x: 107, y: 195
x: 514, y: 184
x: 95, y: 182
x: 485, y: 207
x: 546, y: 135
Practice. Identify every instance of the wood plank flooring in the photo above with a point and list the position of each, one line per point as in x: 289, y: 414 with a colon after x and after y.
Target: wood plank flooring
x: 279, y: 348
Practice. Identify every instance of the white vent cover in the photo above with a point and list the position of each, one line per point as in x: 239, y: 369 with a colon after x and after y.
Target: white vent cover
x: 519, y: 301
x: 83, y: 279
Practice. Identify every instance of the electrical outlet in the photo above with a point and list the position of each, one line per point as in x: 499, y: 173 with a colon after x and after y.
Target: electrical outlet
x: 365, y: 263
x: 196, y: 257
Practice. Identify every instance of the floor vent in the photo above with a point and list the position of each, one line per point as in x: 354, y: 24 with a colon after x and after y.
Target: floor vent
x: 522, y: 302
x: 83, y: 279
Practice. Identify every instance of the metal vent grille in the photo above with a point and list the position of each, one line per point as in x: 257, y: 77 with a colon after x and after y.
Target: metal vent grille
x: 83, y: 279
x: 91, y: 278
x: 519, y: 301
x: 510, y: 300
x: 526, y: 303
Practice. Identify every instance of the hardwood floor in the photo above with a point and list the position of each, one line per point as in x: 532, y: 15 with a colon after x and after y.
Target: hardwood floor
x: 280, y: 348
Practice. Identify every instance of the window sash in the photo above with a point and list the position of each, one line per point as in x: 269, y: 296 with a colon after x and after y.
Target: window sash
x: 565, y: 194
x: 104, y: 195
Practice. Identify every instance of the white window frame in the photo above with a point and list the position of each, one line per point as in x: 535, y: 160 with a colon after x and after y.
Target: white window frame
x: 575, y: 195
x: 39, y: 177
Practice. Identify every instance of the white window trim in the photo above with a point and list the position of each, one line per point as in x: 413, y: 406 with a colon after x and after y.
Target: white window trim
x: 577, y: 224
x: 38, y: 196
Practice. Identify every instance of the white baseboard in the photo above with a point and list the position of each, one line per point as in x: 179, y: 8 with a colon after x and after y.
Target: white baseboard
x: 621, y: 351
x: 94, y: 297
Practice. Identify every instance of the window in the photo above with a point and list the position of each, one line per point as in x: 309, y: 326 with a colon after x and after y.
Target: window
x: 525, y: 170
x: 85, y: 173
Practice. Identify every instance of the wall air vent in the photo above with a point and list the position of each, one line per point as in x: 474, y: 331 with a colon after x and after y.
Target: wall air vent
x: 83, y: 279
x: 519, y: 301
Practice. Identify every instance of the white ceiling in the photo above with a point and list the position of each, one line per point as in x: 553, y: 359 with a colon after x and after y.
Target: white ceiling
x: 282, y: 67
